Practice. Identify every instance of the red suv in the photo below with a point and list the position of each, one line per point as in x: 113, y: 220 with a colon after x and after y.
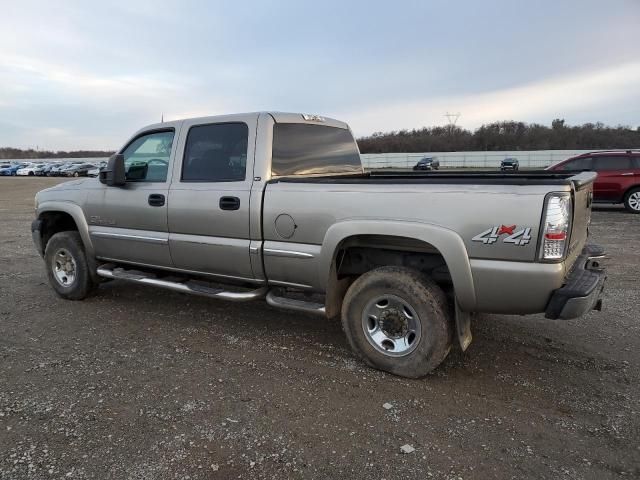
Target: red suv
x: 618, y: 175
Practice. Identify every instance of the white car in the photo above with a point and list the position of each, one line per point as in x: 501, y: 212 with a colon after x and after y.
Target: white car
x: 94, y: 172
x: 31, y: 170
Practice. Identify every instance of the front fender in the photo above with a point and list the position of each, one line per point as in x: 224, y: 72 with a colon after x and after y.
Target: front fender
x: 78, y: 217
x: 447, y: 242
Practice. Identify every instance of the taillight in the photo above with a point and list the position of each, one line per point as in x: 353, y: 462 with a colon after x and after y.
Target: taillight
x: 556, y: 226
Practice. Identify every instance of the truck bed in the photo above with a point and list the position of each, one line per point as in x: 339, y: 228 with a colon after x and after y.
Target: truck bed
x: 533, y: 177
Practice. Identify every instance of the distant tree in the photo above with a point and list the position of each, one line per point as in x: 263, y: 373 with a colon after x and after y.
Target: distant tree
x: 504, y: 135
x: 19, y: 154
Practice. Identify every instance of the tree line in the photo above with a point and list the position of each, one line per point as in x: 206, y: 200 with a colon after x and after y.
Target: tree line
x: 496, y: 136
x: 504, y: 135
x: 19, y: 154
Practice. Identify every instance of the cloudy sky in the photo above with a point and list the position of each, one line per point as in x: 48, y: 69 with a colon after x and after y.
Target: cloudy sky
x: 87, y: 74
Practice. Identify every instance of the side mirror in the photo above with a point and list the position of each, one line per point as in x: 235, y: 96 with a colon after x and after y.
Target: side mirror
x: 114, y: 174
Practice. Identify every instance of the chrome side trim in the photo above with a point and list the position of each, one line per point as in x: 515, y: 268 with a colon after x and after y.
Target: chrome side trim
x: 183, y: 271
x: 185, y: 287
x: 293, y: 304
x: 274, y: 252
x: 124, y: 236
x: 290, y: 284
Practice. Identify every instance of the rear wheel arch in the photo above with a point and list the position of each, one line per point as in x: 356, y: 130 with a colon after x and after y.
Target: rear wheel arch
x: 423, y: 242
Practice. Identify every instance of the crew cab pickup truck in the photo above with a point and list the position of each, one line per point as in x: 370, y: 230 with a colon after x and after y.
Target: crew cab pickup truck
x: 276, y: 206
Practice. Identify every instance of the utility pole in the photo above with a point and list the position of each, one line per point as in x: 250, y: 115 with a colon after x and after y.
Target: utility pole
x: 453, y: 119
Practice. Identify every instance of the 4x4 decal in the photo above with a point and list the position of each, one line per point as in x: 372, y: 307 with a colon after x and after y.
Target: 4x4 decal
x: 491, y: 235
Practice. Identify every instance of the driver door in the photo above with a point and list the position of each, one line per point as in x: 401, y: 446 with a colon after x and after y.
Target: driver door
x: 129, y: 223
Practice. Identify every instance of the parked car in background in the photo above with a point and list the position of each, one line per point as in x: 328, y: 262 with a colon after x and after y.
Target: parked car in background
x: 80, y: 170
x: 47, y: 168
x: 618, y: 178
x: 57, y: 170
x: 509, y: 163
x: 31, y: 169
x: 12, y: 169
x: 428, y: 163
x: 94, y: 172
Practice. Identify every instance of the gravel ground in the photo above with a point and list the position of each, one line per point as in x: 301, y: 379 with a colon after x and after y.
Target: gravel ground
x: 138, y: 383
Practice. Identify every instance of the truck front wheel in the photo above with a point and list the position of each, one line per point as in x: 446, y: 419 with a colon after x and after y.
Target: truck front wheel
x: 67, y: 266
x: 397, y: 320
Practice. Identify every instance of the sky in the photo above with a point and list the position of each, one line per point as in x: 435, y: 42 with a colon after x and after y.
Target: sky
x: 86, y: 75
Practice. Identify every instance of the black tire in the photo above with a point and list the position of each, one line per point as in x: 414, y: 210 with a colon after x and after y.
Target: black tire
x: 631, y: 200
x: 82, y: 284
x: 31, y: 174
x: 427, y: 300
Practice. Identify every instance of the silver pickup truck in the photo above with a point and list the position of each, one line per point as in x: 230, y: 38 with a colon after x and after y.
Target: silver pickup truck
x: 277, y: 206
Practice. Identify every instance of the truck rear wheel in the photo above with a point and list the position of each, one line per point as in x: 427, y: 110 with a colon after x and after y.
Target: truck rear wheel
x: 67, y: 266
x: 397, y: 320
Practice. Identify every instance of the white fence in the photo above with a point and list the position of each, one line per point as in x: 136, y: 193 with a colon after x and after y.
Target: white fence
x: 527, y: 159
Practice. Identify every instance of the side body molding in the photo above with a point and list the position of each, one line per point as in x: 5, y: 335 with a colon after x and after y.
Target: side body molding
x: 448, y: 242
x: 76, y: 213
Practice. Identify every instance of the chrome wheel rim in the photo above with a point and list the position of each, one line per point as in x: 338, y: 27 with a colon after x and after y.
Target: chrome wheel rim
x: 391, y: 325
x: 634, y: 200
x: 63, y: 266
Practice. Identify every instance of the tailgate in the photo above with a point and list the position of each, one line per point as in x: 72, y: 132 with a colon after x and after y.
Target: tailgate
x: 582, y: 199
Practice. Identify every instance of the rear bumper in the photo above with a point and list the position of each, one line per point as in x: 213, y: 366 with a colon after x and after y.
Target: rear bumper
x: 582, y: 291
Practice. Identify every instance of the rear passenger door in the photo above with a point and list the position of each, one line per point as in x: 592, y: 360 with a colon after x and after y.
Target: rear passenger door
x: 615, y: 174
x: 209, y: 196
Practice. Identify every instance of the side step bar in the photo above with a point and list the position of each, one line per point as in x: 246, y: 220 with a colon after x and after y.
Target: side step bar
x: 186, y: 287
x: 294, y: 304
x: 193, y: 288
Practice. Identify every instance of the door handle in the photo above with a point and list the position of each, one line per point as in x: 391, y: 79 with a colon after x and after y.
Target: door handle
x: 229, y: 203
x: 627, y: 174
x: 156, y: 200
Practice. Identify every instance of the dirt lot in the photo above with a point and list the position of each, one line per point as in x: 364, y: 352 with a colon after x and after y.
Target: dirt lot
x: 141, y: 383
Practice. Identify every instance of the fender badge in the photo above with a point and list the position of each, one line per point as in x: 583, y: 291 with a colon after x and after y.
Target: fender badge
x: 491, y: 235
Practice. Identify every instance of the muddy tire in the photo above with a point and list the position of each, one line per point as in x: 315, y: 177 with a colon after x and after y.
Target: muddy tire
x: 398, y: 320
x: 632, y: 200
x: 67, y: 267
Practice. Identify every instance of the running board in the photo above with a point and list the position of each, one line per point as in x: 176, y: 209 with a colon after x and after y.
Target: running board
x: 294, y: 304
x: 185, y: 287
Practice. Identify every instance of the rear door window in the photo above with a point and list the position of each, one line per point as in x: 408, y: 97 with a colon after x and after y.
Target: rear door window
x: 216, y: 153
x: 611, y: 162
x: 584, y: 163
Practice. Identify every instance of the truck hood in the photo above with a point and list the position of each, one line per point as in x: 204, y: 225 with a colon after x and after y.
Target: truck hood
x: 57, y: 192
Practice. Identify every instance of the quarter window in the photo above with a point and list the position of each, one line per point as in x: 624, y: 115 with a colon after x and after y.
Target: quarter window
x: 216, y: 153
x: 612, y: 162
x: 146, y: 159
